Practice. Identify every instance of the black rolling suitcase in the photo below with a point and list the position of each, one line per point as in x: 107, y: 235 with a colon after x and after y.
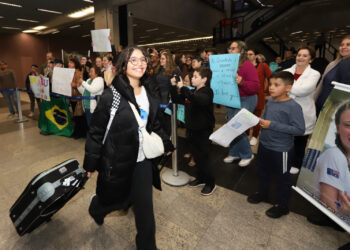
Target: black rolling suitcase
x: 46, y: 194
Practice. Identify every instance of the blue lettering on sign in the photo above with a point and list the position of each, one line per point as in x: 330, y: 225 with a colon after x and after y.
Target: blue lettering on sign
x: 225, y: 88
x: 236, y: 125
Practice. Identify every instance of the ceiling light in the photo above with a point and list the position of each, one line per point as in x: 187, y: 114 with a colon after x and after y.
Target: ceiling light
x: 1, y: 17
x: 11, y: 4
x: 267, y: 38
x: 40, y: 27
x: 86, y: 35
x: 348, y: 26
x: 75, y: 26
x: 178, y: 41
x: 296, y: 32
x: 150, y: 30
x: 135, y: 24
x: 84, y: 12
x: 10, y: 28
x: 168, y: 33
x: 143, y: 36
x: 29, y: 31
x: 27, y: 20
x: 50, y: 11
x: 55, y: 32
x: 89, y: 1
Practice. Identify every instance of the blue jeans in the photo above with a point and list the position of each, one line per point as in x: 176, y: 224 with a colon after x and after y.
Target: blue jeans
x: 10, y: 97
x: 240, y: 146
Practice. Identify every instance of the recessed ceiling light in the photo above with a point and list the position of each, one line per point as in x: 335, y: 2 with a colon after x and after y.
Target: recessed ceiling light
x: 55, y: 32
x: 40, y: 27
x: 296, y: 32
x: 89, y: 1
x: 135, y: 24
x: 10, y: 28
x: 50, y: 11
x: 84, y: 12
x: 1, y: 17
x: 143, y: 36
x: 11, y: 4
x: 150, y: 30
x: 29, y: 31
x: 75, y: 26
x: 86, y: 35
x: 168, y: 33
x: 26, y: 20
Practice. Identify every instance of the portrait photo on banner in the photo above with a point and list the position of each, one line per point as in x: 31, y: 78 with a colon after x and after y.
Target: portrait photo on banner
x: 324, y: 179
x: 223, y: 83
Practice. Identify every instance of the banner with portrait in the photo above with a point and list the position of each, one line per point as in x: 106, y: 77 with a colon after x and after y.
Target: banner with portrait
x: 324, y: 179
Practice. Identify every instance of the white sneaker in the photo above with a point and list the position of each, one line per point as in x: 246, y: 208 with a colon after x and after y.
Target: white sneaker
x: 245, y: 162
x: 294, y: 170
x: 253, y: 141
x: 230, y: 159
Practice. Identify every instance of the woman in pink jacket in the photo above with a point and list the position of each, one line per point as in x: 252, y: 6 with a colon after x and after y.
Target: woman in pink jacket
x: 248, y: 86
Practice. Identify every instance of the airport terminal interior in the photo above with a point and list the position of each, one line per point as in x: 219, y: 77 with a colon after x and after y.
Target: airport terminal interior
x: 184, y: 218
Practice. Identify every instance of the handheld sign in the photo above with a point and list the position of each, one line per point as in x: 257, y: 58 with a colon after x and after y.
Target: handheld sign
x: 225, y: 88
x: 61, y: 81
x: 100, y: 40
x: 40, y: 87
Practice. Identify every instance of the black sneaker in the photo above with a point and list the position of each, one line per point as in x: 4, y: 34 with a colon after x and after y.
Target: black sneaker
x: 256, y: 198
x: 277, y: 211
x: 208, y: 189
x: 196, y: 183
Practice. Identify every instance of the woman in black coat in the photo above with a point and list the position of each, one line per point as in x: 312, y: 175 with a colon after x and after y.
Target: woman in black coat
x: 125, y: 176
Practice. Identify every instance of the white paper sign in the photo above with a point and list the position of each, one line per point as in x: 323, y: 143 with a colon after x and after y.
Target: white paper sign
x: 242, y: 121
x: 100, y: 40
x: 40, y: 87
x: 61, y: 81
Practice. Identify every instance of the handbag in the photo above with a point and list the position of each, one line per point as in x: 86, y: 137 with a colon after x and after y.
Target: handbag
x: 78, y: 111
x: 152, y: 143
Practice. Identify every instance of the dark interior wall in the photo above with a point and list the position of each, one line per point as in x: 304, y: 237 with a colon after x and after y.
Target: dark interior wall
x: 22, y: 50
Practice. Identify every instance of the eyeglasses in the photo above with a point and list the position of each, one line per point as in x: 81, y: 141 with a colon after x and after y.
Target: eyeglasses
x: 134, y: 60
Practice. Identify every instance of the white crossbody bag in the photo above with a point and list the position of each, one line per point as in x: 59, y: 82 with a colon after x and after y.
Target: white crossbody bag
x: 152, y: 143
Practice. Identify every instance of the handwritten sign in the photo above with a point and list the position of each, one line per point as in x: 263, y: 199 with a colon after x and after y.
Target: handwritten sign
x: 40, y: 87
x: 225, y: 88
x: 61, y: 81
x: 242, y: 121
x: 100, y: 40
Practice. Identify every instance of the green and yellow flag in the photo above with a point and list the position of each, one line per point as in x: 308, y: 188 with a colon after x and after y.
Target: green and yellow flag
x: 55, y: 117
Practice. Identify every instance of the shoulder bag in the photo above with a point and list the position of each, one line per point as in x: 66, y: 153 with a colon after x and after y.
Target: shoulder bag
x: 152, y: 143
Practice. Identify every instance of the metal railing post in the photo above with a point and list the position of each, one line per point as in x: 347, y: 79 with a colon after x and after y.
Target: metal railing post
x: 19, y: 108
x: 174, y: 177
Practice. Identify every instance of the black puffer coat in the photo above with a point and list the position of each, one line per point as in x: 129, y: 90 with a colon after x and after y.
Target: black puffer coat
x: 116, y: 159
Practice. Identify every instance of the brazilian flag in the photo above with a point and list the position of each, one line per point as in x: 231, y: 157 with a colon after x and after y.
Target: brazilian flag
x: 55, y: 117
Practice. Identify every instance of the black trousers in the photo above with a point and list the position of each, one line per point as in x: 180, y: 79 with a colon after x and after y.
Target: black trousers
x: 142, y: 201
x: 32, y: 99
x: 299, y: 150
x: 271, y: 163
x: 200, y: 148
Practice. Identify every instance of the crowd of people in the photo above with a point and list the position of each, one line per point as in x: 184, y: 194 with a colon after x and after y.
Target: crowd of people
x: 287, y: 96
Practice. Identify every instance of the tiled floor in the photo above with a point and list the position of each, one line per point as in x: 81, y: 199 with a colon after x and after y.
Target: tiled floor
x: 184, y: 218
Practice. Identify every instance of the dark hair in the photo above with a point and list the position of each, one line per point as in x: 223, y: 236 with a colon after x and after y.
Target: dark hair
x: 198, y: 58
x: 35, y: 66
x: 311, y: 51
x: 109, y: 58
x: 254, y: 50
x: 287, y: 77
x: 97, y: 70
x: 76, y: 62
x: 56, y: 61
x: 205, y: 72
x: 343, y: 107
x: 123, y: 60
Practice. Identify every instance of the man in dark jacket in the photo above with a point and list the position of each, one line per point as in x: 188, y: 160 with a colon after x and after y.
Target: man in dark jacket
x: 7, y: 84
